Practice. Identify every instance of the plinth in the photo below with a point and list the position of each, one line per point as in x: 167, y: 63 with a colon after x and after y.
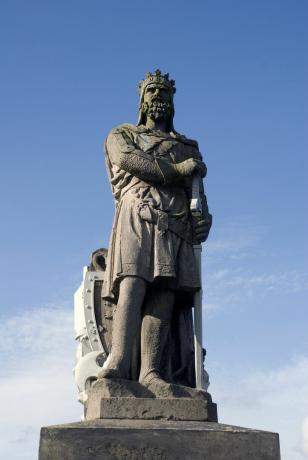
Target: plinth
x: 125, y: 420
x: 153, y: 440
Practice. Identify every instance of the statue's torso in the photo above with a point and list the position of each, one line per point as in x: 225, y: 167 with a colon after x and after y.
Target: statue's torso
x: 172, y: 199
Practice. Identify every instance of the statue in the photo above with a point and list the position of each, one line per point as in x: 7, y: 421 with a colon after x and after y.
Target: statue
x: 137, y: 341
x: 151, y: 273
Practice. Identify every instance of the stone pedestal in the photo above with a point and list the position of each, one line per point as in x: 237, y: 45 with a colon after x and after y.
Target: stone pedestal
x: 119, y: 399
x: 153, y: 440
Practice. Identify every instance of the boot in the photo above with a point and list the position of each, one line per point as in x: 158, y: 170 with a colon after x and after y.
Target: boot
x: 154, y: 334
x: 126, y: 324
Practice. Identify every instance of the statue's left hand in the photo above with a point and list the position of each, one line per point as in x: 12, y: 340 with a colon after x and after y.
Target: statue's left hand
x: 189, y: 167
x: 202, y: 228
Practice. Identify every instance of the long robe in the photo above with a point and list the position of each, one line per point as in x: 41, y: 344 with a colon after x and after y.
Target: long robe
x: 152, y: 233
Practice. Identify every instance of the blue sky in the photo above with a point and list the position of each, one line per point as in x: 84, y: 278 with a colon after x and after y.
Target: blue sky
x: 69, y: 73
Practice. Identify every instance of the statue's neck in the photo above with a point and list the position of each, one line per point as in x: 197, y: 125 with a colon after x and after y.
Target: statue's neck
x: 157, y: 125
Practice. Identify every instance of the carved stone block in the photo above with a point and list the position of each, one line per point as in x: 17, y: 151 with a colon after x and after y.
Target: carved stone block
x: 152, y: 409
x: 156, y: 440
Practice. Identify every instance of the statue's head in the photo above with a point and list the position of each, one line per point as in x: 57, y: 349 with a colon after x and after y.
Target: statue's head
x: 156, y: 98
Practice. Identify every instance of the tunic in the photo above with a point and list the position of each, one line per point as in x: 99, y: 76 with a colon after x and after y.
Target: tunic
x: 152, y: 234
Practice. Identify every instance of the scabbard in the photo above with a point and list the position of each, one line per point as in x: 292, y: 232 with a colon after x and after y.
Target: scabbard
x: 198, y: 323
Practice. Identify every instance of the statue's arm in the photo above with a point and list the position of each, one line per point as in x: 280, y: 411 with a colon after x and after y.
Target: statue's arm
x: 123, y: 153
x: 204, y: 225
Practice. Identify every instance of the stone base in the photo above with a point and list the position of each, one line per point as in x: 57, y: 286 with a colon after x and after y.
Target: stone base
x: 125, y: 399
x: 152, y: 409
x: 121, y: 388
x: 155, y: 440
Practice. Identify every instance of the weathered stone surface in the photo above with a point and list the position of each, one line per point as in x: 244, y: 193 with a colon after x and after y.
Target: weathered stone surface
x: 152, y: 440
x: 126, y: 399
x: 150, y: 409
x: 118, y: 388
x: 163, y: 389
x: 123, y: 388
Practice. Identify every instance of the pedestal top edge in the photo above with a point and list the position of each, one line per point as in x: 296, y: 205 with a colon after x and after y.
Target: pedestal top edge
x: 154, y: 425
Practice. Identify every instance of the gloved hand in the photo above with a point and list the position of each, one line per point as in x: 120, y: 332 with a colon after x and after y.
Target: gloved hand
x: 202, y: 228
x: 190, y: 167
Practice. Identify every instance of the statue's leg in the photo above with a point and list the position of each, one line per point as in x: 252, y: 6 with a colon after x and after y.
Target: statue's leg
x: 126, y: 324
x: 154, y: 332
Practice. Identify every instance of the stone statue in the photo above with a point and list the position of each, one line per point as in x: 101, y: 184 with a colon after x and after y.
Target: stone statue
x: 151, y: 272
x: 135, y: 369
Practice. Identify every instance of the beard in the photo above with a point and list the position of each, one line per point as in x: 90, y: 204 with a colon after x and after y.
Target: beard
x: 157, y: 110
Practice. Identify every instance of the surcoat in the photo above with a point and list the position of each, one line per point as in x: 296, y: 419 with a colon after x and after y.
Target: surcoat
x: 152, y: 234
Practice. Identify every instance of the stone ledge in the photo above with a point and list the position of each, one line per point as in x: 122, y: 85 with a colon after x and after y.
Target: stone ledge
x: 156, y: 440
x: 125, y: 399
x: 152, y: 409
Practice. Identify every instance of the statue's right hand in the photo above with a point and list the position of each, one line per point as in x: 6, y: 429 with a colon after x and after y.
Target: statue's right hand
x: 190, y: 167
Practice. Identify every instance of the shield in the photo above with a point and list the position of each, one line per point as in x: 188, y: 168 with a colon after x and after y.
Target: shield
x: 93, y: 324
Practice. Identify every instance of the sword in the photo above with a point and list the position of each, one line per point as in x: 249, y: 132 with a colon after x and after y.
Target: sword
x: 196, y: 210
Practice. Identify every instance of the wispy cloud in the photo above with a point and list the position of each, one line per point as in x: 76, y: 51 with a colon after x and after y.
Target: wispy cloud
x: 275, y: 400
x: 230, y: 288
x: 305, y: 436
x: 36, y: 382
x: 235, y: 240
x: 229, y: 282
x: 37, y: 388
x: 35, y: 329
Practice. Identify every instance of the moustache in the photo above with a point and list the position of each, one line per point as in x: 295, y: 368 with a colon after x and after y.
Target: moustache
x: 158, y: 104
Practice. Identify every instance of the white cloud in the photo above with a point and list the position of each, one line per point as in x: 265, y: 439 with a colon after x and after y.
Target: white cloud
x: 228, y: 282
x: 37, y: 388
x: 235, y: 240
x: 228, y: 287
x: 36, y: 382
x: 274, y: 401
x: 305, y: 436
x: 28, y: 332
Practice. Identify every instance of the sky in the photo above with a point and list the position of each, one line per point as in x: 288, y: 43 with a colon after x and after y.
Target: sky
x: 69, y: 74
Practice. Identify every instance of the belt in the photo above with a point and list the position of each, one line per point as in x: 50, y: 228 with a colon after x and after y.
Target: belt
x: 165, y: 222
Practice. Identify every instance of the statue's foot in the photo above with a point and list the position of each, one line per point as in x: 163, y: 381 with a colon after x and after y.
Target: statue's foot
x: 114, y: 387
x: 162, y: 389
x: 110, y: 373
x: 150, y: 377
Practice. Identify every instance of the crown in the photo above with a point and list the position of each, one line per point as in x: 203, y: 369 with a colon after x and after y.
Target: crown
x: 157, y: 78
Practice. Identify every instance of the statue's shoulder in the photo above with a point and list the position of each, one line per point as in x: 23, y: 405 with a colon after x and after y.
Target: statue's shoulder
x: 122, y: 137
x: 125, y: 128
x: 185, y: 140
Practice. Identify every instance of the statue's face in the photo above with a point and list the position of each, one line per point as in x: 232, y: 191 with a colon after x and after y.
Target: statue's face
x: 157, y: 102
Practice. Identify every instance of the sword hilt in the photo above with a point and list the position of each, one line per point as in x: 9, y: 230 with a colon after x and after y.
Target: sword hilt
x: 195, y: 202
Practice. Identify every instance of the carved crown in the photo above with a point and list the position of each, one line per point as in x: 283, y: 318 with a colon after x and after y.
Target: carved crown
x: 157, y: 78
